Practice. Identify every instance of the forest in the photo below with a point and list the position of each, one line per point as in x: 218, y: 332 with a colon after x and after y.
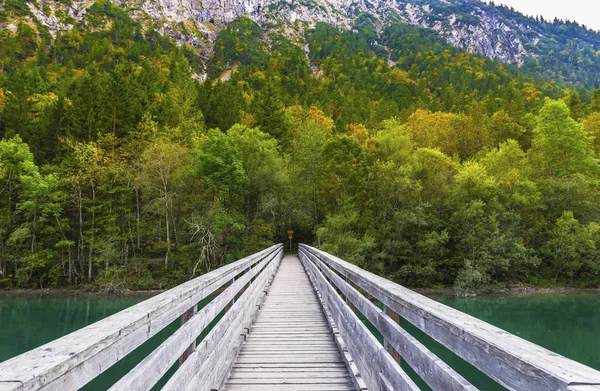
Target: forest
x: 431, y: 166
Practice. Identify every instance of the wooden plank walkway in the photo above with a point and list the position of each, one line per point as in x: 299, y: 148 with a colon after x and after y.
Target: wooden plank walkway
x: 294, y: 344
x: 290, y: 345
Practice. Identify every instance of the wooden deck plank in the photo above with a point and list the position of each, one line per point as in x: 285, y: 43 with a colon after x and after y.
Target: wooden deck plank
x: 287, y: 375
x: 290, y: 387
x: 284, y: 366
x: 306, y: 379
x: 290, y: 346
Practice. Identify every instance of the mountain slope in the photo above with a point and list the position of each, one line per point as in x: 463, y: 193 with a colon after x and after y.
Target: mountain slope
x: 561, y: 50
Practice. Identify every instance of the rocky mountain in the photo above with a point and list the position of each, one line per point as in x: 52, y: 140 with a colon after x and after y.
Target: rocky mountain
x: 559, y: 49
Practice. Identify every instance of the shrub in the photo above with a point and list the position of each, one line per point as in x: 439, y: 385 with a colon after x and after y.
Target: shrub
x: 471, y: 280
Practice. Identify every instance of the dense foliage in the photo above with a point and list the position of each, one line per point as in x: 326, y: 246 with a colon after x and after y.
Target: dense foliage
x: 433, y: 167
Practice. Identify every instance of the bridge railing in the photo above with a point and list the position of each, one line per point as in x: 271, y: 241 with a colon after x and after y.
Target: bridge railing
x: 507, y: 359
x: 72, y: 361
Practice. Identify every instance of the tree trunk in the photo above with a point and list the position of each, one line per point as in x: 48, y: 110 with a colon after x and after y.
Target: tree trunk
x: 9, y: 193
x: 165, y: 183
x: 174, y: 222
x: 70, y: 260
x: 114, y: 120
x: 80, y: 207
x: 33, y: 235
x: 2, y: 264
x: 316, y: 211
x: 138, y: 218
x: 167, y: 231
x: 315, y: 204
x: 70, y: 277
x: 91, y: 249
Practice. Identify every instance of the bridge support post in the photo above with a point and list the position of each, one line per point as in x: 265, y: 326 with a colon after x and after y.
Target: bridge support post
x: 187, y: 315
x: 232, y: 302
x: 396, y: 318
x: 348, y: 301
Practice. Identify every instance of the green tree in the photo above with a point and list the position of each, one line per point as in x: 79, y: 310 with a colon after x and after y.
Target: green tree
x: 568, y: 246
x: 565, y: 168
x: 17, y: 163
x: 502, y: 127
x: 219, y: 164
x: 265, y: 172
x: 339, y: 235
x: 177, y: 110
x: 41, y: 206
x: 163, y: 164
x: 87, y: 115
x: 268, y: 110
x: 485, y: 230
x: 435, y: 171
x: 308, y: 194
x: 561, y: 147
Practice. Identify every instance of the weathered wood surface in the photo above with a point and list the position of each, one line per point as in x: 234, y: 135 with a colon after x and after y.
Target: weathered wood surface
x: 72, y: 361
x: 183, y: 319
x: 510, y: 360
x: 148, y: 372
x: 359, y: 382
x: 290, y: 345
x: 211, y: 365
x: 375, y: 364
x: 292, y: 329
x: 437, y: 374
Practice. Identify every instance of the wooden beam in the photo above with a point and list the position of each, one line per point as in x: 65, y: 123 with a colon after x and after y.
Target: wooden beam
x: 510, y: 360
x: 386, y: 344
x: 150, y: 370
x: 368, y: 353
x: 437, y: 374
x: 184, y: 318
x: 357, y: 378
x: 72, y: 361
x: 220, y: 339
x: 11, y: 386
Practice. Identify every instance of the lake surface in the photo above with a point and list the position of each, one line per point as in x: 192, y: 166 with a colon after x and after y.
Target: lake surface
x: 567, y: 323
x: 31, y: 320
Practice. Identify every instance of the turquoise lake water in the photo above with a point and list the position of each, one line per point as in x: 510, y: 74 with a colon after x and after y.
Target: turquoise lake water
x: 567, y: 323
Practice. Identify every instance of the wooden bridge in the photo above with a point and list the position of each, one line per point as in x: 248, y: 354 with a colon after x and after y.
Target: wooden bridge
x: 275, y: 322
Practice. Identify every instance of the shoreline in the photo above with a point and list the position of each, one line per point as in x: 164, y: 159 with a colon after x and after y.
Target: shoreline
x: 424, y: 291
x: 81, y: 291
x: 526, y: 290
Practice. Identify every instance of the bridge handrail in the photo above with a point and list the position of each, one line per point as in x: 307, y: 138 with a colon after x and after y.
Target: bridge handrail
x: 72, y: 361
x: 511, y: 361
x: 364, y: 348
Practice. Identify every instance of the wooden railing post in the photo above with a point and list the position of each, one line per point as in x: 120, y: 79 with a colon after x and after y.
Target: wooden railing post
x: 507, y: 359
x: 187, y: 315
x: 232, y: 302
x: 396, y: 318
x: 74, y: 360
x: 348, y: 301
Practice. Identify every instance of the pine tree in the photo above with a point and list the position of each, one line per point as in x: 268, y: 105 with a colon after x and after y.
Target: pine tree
x: 268, y: 109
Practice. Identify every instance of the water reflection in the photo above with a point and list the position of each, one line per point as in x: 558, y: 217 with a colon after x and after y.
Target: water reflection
x: 566, y: 323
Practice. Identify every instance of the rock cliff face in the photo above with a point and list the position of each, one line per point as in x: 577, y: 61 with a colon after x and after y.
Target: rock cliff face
x: 486, y: 32
x: 495, y: 32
